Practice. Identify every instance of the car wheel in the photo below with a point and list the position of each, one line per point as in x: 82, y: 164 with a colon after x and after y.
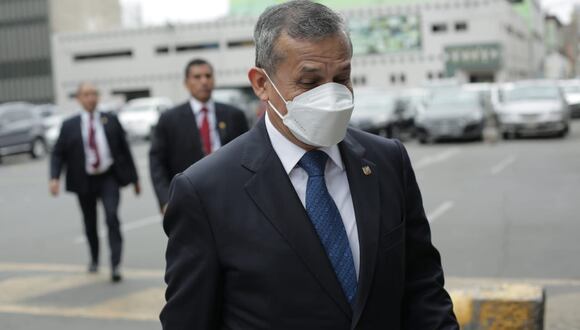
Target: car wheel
x: 564, y: 132
x: 38, y: 148
x: 507, y: 135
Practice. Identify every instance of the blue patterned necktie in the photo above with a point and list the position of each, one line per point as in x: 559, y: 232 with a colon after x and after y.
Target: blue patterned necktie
x: 327, y: 221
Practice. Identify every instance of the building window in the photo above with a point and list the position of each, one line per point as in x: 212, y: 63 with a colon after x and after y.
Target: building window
x: 132, y: 94
x: 460, y: 26
x: 440, y: 75
x: 241, y: 43
x: 393, y: 79
x: 403, y: 78
x: 103, y: 55
x: 439, y: 28
x: 194, y: 47
x: 508, y: 29
x: 162, y: 50
x: 363, y: 80
x: 430, y: 75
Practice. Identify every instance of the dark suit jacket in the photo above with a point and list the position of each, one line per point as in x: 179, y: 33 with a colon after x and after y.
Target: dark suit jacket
x: 176, y: 142
x: 243, y: 254
x: 69, y: 153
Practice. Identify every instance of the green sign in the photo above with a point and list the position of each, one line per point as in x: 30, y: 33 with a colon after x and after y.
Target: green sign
x: 385, y: 34
x: 256, y: 7
x: 473, y: 58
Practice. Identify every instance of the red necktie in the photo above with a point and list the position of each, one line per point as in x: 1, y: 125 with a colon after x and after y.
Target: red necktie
x: 204, y: 132
x: 93, y: 143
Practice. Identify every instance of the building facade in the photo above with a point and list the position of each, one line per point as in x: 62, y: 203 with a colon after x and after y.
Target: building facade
x: 25, y: 65
x: 396, y: 46
x: 25, y: 47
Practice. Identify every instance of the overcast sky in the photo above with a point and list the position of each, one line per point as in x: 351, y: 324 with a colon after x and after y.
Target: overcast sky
x: 162, y: 11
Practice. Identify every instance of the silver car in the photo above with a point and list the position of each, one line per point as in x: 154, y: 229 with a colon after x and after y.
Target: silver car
x: 451, y: 113
x: 532, y: 108
x: 21, y: 130
x: 571, y: 89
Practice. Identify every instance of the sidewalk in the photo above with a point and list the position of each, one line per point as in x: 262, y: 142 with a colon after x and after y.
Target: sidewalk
x: 67, y: 291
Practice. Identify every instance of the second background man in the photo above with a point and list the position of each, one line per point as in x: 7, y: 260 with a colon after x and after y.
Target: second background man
x: 191, y: 130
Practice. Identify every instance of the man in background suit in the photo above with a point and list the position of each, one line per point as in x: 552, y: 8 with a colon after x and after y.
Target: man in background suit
x: 93, y: 149
x: 302, y: 223
x: 192, y: 130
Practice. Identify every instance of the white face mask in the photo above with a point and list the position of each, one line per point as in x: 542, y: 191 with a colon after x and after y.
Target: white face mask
x: 318, y: 117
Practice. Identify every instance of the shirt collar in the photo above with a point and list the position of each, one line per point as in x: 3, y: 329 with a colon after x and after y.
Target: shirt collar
x: 290, y: 154
x: 85, y: 114
x: 196, y: 105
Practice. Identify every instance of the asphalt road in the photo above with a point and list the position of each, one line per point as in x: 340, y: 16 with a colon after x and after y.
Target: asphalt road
x: 502, y: 211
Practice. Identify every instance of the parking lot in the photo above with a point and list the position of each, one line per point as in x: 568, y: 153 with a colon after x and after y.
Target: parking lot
x: 498, y: 211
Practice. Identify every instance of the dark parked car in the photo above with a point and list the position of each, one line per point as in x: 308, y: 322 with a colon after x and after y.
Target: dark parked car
x: 409, y: 104
x: 452, y: 113
x: 380, y: 112
x: 21, y: 130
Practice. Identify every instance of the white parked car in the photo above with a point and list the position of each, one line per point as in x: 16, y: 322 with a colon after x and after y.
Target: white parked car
x: 571, y: 89
x: 139, y: 116
x: 532, y: 108
x: 52, y: 126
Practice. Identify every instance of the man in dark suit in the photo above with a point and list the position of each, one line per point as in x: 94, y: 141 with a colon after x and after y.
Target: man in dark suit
x: 302, y: 223
x: 93, y: 149
x: 188, y: 132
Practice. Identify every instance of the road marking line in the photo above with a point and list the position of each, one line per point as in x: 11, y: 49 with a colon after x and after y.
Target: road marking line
x: 503, y: 165
x: 439, y: 211
x: 67, y: 268
x: 430, y: 160
x: 155, y: 219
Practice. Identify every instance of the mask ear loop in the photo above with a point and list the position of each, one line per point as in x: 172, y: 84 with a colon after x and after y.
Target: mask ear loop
x: 275, y: 88
x: 279, y: 94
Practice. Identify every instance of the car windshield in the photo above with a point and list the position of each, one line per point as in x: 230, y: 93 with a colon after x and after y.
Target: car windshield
x: 524, y: 93
x: 139, y: 108
x: 571, y: 89
x: 453, y: 98
x: 373, y: 103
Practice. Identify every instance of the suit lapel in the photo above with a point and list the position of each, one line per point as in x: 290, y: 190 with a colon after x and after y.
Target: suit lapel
x: 104, y: 119
x: 364, y: 189
x: 77, y: 135
x: 282, y: 207
x: 190, y: 124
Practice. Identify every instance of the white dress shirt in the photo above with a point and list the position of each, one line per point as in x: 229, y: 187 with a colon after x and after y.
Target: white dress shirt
x: 105, y: 158
x: 334, y: 175
x: 214, y: 135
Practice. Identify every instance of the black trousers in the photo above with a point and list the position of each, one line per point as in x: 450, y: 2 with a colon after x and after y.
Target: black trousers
x: 102, y: 187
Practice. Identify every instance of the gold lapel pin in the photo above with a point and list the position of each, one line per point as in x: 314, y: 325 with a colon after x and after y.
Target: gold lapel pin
x: 104, y: 120
x: 367, y: 170
x: 222, y: 125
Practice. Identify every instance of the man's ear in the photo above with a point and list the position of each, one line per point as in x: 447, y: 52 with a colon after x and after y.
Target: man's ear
x: 258, y: 81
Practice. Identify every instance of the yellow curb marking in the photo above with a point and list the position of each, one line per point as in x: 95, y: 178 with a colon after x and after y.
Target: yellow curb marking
x: 462, y: 306
x: 21, y: 288
x: 143, y: 305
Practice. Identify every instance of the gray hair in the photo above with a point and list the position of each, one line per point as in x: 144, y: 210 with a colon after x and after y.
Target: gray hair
x: 301, y: 20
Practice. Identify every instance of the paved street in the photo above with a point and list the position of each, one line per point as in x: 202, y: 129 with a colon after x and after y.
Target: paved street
x: 505, y: 211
